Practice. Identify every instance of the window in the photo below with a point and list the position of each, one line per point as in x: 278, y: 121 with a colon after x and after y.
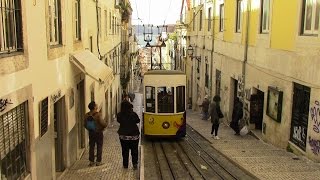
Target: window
x: 209, y: 19
x: 207, y: 76
x: 13, y: 143
x: 11, y: 26
x: 181, y: 102
x: 77, y: 20
x: 99, y: 21
x: 106, y: 22
x: 311, y: 12
x: 221, y: 17
x: 150, y: 99
x: 110, y: 21
x: 55, y: 22
x: 113, y: 25
x: 165, y: 99
x: 194, y: 21
x: 265, y: 16
x: 239, y: 16
x: 200, y: 20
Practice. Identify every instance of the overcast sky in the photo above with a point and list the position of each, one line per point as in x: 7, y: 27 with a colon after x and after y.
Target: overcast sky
x: 160, y: 11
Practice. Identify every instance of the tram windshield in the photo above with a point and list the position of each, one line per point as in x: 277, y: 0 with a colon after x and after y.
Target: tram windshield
x: 165, y: 99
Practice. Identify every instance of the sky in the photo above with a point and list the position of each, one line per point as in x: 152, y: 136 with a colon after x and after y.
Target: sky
x: 160, y: 11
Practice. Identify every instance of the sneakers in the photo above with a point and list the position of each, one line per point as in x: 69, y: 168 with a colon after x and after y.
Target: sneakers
x: 99, y: 163
x: 135, y: 166
x: 91, y: 163
x: 213, y: 136
x: 217, y: 138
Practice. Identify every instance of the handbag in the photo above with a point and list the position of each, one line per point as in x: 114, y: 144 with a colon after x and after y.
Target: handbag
x: 244, y: 131
x: 220, y: 114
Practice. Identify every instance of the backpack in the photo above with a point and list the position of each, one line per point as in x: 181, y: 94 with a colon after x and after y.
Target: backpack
x: 90, y: 124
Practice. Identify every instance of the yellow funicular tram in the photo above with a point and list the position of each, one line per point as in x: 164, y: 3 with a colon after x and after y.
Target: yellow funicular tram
x: 164, y: 103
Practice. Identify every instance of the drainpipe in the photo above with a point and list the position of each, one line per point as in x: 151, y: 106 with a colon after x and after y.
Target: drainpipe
x: 212, y: 47
x: 245, y: 58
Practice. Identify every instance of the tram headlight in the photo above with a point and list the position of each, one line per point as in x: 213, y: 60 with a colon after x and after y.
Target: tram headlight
x: 165, y: 125
x: 151, y: 120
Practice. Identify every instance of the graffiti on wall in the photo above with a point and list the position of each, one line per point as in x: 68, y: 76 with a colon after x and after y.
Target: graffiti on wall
x: 315, y: 145
x: 299, y: 134
x: 315, y: 116
x: 4, y: 103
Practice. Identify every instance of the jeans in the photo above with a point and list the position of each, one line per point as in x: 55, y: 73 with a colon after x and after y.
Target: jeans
x: 214, y: 129
x: 126, y: 145
x: 95, y: 138
x: 205, y: 115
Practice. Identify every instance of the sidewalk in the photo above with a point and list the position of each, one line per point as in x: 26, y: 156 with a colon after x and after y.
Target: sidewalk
x: 111, y: 156
x: 257, y: 157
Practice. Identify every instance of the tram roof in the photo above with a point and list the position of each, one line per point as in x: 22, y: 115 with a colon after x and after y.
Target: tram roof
x: 163, y: 72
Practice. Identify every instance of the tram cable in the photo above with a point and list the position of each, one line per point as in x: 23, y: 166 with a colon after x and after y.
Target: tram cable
x: 164, y: 22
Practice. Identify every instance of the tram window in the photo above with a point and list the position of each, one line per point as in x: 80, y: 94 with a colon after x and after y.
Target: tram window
x: 165, y: 99
x: 150, y: 99
x: 181, y: 99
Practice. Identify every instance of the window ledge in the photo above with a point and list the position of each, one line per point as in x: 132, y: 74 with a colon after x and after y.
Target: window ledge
x: 56, y: 46
x: 16, y: 53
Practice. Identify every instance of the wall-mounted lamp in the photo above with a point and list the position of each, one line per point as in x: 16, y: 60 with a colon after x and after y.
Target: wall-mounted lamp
x: 190, y: 53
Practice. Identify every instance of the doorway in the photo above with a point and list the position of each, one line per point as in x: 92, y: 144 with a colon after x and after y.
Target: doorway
x: 59, y: 119
x: 300, y: 113
x: 80, y: 114
x: 233, y: 95
x: 256, y: 108
x: 107, y: 107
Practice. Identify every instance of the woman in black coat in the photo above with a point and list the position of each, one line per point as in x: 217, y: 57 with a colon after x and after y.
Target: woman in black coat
x: 128, y: 133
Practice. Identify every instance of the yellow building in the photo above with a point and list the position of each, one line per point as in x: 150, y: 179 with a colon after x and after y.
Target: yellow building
x: 265, y: 52
x: 55, y: 57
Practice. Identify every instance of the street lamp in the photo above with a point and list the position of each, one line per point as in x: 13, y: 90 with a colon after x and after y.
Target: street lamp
x: 190, y: 53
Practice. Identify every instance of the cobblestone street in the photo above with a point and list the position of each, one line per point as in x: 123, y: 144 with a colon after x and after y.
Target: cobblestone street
x: 259, y: 158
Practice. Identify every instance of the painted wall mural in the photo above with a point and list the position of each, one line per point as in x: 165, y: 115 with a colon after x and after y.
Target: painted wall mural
x: 315, y: 118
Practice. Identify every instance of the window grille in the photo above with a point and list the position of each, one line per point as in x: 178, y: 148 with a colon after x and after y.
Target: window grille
x: 44, y: 114
x: 13, y: 140
x: 10, y: 26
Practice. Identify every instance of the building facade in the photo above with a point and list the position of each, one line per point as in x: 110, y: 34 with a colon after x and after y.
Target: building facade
x: 266, y: 58
x: 55, y: 57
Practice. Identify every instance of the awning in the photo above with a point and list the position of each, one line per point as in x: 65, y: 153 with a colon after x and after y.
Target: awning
x: 89, y: 64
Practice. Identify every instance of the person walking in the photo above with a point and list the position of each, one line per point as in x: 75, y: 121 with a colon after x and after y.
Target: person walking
x: 128, y: 134
x: 237, y: 114
x: 216, y: 115
x: 96, y: 135
x: 205, y: 108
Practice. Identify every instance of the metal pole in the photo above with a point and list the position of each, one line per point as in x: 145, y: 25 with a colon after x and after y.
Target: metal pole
x: 160, y: 58
x: 151, y: 57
